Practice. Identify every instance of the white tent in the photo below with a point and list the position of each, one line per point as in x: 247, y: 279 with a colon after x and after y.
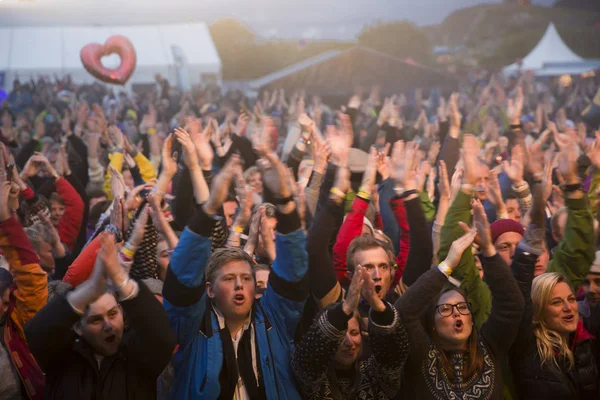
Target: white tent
x: 550, y: 49
x: 33, y: 51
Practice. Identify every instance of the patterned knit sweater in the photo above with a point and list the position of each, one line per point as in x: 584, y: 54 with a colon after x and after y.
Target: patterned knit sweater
x: 377, y: 377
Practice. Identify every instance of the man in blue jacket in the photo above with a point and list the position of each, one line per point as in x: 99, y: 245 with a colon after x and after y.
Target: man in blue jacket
x: 232, y: 346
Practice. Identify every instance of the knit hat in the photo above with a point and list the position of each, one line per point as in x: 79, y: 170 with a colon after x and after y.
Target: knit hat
x: 595, y: 267
x: 505, y: 225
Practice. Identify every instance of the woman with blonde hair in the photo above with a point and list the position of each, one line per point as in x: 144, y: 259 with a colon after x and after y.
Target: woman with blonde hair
x: 554, y: 357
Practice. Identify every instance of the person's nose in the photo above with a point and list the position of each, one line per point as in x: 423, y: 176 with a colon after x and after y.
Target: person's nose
x: 512, y: 251
x: 376, y: 274
x: 107, y: 326
x: 238, y: 283
x: 566, y: 306
x: 348, y: 340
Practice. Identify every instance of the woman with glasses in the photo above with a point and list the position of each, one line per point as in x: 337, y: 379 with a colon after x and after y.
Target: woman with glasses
x: 449, y: 358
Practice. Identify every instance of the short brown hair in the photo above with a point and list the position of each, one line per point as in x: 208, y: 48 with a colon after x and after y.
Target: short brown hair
x: 223, y: 256
x: 251, y: 171
x: 366, y: 242
x: 54, y: 197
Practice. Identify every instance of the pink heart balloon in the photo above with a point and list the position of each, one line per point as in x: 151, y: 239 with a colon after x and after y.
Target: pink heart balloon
x: 92, y: 54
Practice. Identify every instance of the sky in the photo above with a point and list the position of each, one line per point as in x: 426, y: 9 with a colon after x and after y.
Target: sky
x: 287, y: 19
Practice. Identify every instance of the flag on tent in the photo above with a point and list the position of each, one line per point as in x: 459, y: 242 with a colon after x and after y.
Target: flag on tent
x: 591, y: 114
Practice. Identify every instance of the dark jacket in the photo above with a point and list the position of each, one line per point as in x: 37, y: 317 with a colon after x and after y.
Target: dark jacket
x: 69, y: 363
x: 534, y: 381
x: 423, y: 375
x: 375, y: 377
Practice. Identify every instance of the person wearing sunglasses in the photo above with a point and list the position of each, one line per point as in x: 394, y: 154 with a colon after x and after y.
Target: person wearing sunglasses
x: 449, y: 357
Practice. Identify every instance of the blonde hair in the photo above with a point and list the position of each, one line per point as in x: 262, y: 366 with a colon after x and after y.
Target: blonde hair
x: 549, y: 342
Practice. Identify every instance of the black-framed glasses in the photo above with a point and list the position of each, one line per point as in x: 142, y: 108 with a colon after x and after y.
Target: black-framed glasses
x: 445, y: 310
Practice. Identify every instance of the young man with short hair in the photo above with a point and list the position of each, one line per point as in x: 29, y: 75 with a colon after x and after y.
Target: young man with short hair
x: 232, y: 346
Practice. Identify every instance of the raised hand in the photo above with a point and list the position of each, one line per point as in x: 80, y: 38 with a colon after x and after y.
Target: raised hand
x: 245, y: 196
x: 267, y: 236
x: 370, y: 172
x: 471, y: 164
x: 321, y: 152
x: 369, y: 293
x: 116, y: 136
x: 220, y: 185
x: 455, y: 116
x: 443, y: 182
x: 383, y: 162
x: 403, y: 165
x: 169, y: 163
x: 514, y: 168
x: 190, y: 157
x: 458, y: 248
x: 352, y: 299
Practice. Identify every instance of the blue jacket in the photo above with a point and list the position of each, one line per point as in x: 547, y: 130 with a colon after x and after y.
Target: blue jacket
x: 199, y: 358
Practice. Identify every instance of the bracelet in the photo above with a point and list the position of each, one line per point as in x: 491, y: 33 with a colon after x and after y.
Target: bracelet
x: 364, y: 194
x: 237, y: 229
x: 338, y: 192
x: 115, y: 231
x: 569, y: 188
x: 444, y: 268
x: 128, y: 252
x: 151, y: 131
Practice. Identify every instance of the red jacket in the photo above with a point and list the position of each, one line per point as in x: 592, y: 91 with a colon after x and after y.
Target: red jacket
x: 70, y: 223
x: 28, y: 295
x: 352, y: 227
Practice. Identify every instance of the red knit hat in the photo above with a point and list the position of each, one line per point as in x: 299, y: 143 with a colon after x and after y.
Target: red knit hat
x: 505, y: 225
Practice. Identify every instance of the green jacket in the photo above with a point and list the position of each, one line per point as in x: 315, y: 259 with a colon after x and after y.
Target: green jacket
x: 466, y: 271
x: 575, y: 253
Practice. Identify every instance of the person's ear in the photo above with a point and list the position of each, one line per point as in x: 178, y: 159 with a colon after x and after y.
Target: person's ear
x: 210, y: 291
x: 349, y: 274
x: 78, y: 329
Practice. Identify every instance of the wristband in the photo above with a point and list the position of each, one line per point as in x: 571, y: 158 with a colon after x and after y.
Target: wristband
x: 237, y: 229
x: 536, y: 182
x: 115, y: 231
x: 569, y: 188
x: 337, y: 192
x: 151, y: 131
x: 363, y: 194
x: 128, y: 252
x: 445, y: 269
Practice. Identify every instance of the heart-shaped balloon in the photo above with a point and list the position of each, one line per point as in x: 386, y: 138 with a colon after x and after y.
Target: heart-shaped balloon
x: 92, y: 54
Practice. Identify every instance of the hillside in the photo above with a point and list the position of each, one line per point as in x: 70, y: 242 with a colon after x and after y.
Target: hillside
x: 499, y: 34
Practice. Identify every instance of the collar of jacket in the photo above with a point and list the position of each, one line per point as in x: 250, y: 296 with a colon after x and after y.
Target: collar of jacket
x: 206, y: 326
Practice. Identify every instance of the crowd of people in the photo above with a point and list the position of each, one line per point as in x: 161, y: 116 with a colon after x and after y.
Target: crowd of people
x: 203, y: 245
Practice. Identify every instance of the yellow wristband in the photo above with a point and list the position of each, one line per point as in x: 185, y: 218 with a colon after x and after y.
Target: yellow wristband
x: 237, y: 229
x: 151, y: 131
x: 445, y: 269
x: 337, y: 192
x: 128, y: 252
x: 364, y: 194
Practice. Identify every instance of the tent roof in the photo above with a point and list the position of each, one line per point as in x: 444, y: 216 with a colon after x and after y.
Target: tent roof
x: 57, y: 49
x: 550, y: 48
x: 332, y: 71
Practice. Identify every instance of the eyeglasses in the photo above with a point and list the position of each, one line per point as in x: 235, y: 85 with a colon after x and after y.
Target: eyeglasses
x: 445, y: 310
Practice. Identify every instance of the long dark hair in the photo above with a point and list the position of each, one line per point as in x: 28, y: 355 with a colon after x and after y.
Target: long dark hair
x: 474, y: 363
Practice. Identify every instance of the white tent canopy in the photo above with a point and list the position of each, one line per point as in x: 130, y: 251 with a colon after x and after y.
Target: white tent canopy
x: 550, y: 49
x: 33, y: 51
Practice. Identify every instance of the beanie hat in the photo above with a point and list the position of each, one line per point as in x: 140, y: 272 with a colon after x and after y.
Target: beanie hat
x: 503, y: 226
x: 595, y: 267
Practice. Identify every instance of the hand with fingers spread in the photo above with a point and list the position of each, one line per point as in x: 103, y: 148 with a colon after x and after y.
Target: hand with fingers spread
x: 350, y: 304
x: 220, y: 186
